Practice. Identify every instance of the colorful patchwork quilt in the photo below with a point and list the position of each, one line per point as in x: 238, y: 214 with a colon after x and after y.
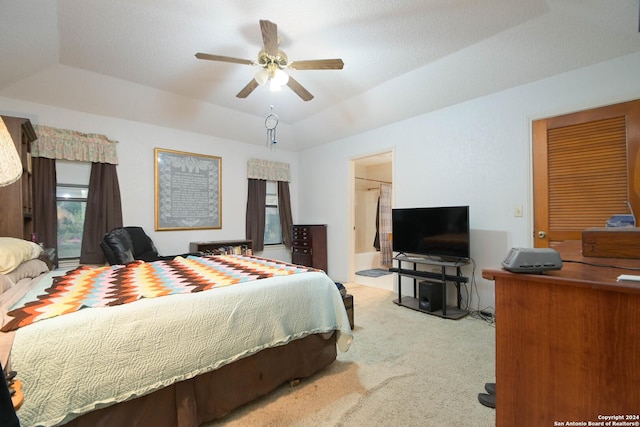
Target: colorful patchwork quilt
x: 86, y: 287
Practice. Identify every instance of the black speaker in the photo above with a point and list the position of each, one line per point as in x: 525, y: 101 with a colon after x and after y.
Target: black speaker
x: 430, y: 296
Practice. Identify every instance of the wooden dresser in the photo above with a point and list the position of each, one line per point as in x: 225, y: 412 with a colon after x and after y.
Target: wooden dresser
x: 309, y: 246
x: 567, y: 342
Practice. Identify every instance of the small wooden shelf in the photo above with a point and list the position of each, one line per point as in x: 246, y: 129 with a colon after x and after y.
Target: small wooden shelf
x: 240, y: 247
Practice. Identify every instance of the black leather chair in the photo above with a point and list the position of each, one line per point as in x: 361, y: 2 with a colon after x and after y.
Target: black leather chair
x: 123, y: 245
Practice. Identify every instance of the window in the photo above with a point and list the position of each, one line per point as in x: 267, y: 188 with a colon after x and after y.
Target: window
x: 272, y: 227
x: 71, y: 203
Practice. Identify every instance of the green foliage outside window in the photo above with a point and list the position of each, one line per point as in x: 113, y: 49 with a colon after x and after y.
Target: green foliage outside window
x: 71, y: 206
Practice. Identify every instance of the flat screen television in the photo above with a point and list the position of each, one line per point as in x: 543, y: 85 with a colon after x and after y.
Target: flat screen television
x: 438, y: 232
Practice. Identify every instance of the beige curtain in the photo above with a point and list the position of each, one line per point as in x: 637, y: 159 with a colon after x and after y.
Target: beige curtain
x: 67, y: 144
x: 268, y: 170
x: 384, y: 225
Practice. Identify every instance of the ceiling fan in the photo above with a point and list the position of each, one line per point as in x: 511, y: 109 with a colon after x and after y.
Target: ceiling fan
x: 273, y: 62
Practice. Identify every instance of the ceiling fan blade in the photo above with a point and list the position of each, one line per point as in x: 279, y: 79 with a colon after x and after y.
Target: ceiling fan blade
x: 246, y: 91
x: 269, y: 37
x: 318, y: 64
x: 299, y: 89
x: 223, y: 58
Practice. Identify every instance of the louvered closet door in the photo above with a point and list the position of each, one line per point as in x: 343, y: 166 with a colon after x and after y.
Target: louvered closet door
x: 584, y: 169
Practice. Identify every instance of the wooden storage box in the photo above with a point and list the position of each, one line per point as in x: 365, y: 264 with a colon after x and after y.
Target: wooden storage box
x: 348, y: 304
x: 611, y: 242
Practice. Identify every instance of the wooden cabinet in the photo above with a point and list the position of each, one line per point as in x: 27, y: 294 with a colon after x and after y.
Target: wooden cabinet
x: 16, y: 209
x: 567, y: 342
x: 309, y: 246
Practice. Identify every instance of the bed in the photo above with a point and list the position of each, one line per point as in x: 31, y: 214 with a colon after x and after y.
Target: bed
x: 165, y: 343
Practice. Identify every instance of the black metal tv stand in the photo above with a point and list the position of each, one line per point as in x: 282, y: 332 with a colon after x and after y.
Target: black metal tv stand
x: 440, y: 277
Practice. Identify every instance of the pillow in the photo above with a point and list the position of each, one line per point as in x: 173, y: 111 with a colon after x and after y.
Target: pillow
x: 5, y: 283
x: 14, y: 252
x: 28, y: 269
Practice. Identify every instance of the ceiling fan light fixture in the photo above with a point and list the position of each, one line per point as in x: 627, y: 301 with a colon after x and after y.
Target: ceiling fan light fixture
x: 274, y: 86
x: 262, y: 76
x: 276, y: 77
x: 280, y: 77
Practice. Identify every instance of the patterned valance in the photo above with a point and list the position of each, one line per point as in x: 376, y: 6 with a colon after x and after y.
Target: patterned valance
x: 66, y: 144
x: 268, y: 170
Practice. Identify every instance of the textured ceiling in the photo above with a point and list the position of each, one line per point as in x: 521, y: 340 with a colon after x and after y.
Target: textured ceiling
x: 135, y: 58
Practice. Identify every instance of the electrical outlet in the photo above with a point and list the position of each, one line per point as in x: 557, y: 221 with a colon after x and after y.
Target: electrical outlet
x: 517, y: 211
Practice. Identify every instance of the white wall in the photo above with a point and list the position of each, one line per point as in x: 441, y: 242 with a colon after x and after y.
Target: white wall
x: 136, y: 170
x: 475, y: 153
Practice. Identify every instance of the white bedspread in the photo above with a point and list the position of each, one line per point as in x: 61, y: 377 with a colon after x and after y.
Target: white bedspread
x: 95, y: 357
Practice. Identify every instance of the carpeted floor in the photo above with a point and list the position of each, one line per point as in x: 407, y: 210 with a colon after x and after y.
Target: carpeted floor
x: 405, y: 368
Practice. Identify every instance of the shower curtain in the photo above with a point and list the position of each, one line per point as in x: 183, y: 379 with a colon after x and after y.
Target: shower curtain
x: 383, y: 224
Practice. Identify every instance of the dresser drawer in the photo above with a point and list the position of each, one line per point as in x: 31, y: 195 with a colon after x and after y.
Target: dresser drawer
x: 301, y: 243
x: 302, y: 259
x: 302, y: 250
x: 301, y: 235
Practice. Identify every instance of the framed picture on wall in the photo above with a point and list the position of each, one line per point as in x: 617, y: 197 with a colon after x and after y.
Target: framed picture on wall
x: 187, y: 191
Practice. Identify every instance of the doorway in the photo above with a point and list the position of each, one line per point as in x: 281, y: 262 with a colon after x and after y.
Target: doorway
x: 369, y: 174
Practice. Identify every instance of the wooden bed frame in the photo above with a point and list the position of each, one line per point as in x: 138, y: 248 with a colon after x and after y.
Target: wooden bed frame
x: 215, y: 394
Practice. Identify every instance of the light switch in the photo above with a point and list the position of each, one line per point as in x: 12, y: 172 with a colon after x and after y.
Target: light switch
x: 517, y: 211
